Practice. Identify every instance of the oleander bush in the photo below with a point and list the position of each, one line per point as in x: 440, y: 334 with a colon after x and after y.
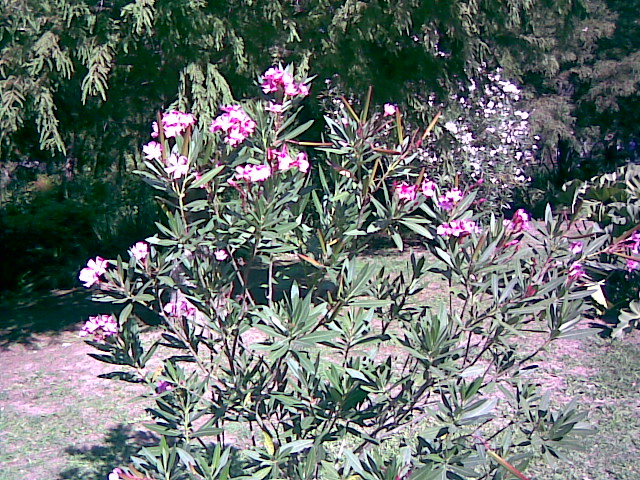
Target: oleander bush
x: 611, y: 203
x: 283, y: 353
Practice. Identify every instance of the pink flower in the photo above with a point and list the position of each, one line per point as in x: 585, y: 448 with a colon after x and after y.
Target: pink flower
x: 390, y: 109
x: 163, y: 386
x: 93, y: 271
x: 115, y: 474
x: 285, y: 162
x: 575, y: 247
x: 444, y: 230
x: 152, y: 151
x: 449, y: 199
x: 632, y: 265
x: 576, y: 271
x: 405, y: 191
x: 303, y: 89
x: 140, y: 251
x: 290, y: 89
x: 235, y: 123
x: 518, y: 223
x: 275, y: 79
x: 100, y: 326
x: 458, y: 228
x: 428, y: 188
x: 283, y: 158
x: 221, y: 255
x: 180, y: 308
x: 302, y: 162
x: 173, y: 124
x: 273, y: 107
x: 634, y: 242
x: 177, y: 166
x: 253, y: 173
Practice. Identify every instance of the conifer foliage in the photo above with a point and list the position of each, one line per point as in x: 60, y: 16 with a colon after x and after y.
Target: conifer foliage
x: 584, y: 82
x: 73, y: 70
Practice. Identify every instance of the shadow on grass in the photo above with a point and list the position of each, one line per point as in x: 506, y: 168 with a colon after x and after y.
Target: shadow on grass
x: 21, y: 320
x: 96, y: 462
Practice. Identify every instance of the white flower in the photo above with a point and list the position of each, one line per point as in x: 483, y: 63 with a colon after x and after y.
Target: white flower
x: 451, y: 127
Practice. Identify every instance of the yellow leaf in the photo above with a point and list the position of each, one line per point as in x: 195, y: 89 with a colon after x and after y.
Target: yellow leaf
x: 598, y: 294
x: 507, y: 465
x: 310, y: 260
x: 430, y: 127
x: 268, y: 443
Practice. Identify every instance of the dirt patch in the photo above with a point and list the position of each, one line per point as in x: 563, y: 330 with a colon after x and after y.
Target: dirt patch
x: 50, y: 396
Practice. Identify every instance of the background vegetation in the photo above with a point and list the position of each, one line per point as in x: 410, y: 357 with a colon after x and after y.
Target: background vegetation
x: 79, y: 81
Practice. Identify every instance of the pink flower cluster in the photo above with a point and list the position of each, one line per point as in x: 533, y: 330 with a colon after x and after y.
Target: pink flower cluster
x: 276, y: 79
x: 406, y: 191
x: 428, y: 188
x: 152, y: 151
x: 177, y: 166
x: 576, y: 271
x: 174, y: 124
x: 235, y: 123
x: 100, y: 326
x: 91, y: 274
x: 221, y: 255
x: 518, y: 223
x: 180, y: 308
x: 576, y: 247
x: 450, y: 199
x: 163, y: 386
x: 274, y: 107
x: 285, y: 162
x: 634, y: 247
x: 390, y: 109
x: 251, y: 173
x: 458, y: 228
x: 140, y: 251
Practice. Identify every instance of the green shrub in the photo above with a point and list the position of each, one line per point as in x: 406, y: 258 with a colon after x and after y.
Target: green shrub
x: 328, y: 366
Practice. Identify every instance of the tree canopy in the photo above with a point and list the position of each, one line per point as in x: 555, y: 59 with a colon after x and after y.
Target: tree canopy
x: 77, y: 79
x: 584, y: 84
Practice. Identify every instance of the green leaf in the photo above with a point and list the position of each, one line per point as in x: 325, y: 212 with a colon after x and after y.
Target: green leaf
x: 430, y: 472
x: 123, y: 376
x: 317, y: 337
x: 296, y: 132
x: 417, y: 228
x: 168, y: 432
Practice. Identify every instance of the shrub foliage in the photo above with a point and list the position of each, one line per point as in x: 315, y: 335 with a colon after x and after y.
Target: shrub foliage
x: 284, y: 354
